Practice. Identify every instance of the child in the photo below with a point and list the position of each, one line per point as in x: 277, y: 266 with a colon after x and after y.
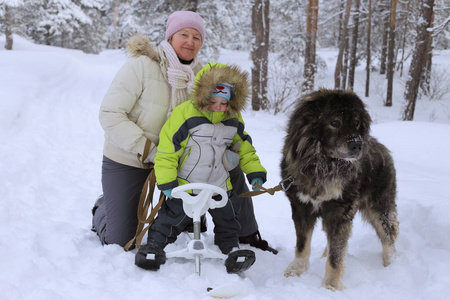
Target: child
x: 193, y: 147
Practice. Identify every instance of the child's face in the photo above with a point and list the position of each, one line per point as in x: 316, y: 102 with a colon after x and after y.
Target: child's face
x: 218, y: 103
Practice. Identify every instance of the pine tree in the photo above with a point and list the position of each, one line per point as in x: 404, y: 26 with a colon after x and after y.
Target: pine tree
x: 59, y: 20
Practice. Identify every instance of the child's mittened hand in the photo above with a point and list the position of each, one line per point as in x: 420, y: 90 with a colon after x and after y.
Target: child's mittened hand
x: 168, y: 193
x: 258, y: 181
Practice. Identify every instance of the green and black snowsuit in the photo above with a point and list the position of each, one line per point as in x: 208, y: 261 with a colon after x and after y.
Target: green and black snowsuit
x: 191, y: 146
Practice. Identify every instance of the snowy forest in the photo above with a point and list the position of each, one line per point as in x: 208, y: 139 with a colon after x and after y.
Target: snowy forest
x: 392, y: 37
x: 57, y: 60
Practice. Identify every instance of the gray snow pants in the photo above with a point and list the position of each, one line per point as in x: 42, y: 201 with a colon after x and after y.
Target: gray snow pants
x: 115, y: 220
x: 172, y: 220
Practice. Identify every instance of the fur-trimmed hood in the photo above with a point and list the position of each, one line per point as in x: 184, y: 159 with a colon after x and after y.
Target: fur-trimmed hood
x: 139, y: 45
x: 212, y: 74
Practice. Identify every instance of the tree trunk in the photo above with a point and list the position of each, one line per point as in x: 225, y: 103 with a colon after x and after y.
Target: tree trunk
x: 391, y: 56
x: 369, y: 58
x: 260, y: 53
x: 345, y: 63
x: 418, y: 60
x: 339, y: 71
x: 384, y: 43
x: 8, y: 31
x: 190, y: 5
x: 115, y: 25
x: 425, y: 83
x: 405, y: 31
x: 353, y: 60
x: 309, y: 71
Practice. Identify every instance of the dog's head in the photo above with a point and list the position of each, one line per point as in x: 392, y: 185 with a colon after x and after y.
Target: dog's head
x: 331, y: 123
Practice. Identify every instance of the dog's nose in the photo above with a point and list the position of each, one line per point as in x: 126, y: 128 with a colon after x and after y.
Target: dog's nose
x: 355, y: 146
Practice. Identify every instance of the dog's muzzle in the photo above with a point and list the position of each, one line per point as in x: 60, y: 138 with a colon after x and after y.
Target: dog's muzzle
x: 354, y: 145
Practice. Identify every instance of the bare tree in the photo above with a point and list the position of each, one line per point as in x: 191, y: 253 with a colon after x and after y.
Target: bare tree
x: 345, y: 61
x: 419, y: 59
x: 284, y: 87
x: 8, y: 29
x: 12, y: 20
x: 384, y: 44
x: 405, y: 30
x: 391, y: 56
x: 439, y: 28
x: 353, y: 59
x: 260, y: 53
x: 425, y: 82
x: 343, y: 43
x: 369, y: 55
x: 114, y: 37
x: 312, y: 15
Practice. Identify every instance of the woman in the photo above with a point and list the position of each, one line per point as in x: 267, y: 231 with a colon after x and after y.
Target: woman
x: 133, y: 111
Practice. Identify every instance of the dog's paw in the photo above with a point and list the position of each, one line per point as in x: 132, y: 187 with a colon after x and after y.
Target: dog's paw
x: 333, y: 277
x: 334, y: 286
x: 297, y: 267
x: 389, y: 254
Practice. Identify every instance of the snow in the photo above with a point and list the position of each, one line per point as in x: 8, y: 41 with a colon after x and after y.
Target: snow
x: 51, y: 154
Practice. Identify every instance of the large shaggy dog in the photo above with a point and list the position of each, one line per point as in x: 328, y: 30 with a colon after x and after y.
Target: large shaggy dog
x: 335, y: 168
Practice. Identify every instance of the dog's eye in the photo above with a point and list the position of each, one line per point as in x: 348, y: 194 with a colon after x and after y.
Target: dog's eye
x: 357, y: 123
x: 336, y: 123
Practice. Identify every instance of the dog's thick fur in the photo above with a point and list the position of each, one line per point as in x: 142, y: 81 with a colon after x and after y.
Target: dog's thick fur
x: 336, y: 169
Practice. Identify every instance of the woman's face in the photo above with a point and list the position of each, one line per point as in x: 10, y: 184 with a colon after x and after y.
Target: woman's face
x: 186, y: 43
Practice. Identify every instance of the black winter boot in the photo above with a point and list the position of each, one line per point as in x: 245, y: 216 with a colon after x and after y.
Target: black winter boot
x: 256, y: 241
x: 240, y: 260
x: 150, y: 257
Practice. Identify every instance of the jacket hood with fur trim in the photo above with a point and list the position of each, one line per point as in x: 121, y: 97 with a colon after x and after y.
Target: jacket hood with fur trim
x: 139, y: 45
x: 212, y: 74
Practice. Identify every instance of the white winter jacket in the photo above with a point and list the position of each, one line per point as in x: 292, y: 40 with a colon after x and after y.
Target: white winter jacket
x: 136, y: 105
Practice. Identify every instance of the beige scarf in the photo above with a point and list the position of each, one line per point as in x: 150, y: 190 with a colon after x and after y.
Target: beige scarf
x: 181, y: 77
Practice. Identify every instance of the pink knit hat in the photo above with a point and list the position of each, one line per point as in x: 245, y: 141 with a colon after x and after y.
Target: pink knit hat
x: 184, y: 19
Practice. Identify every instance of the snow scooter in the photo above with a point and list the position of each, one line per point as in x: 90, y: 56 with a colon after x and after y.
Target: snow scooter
x: 195, y: 206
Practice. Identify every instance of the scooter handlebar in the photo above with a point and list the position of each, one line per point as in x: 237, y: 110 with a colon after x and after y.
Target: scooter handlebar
x: 206, y: 190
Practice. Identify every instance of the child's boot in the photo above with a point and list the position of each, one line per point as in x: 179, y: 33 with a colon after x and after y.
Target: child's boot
x: 150, y: 257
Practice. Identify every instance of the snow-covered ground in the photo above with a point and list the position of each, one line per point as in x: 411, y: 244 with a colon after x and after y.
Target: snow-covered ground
x: 50, y: 154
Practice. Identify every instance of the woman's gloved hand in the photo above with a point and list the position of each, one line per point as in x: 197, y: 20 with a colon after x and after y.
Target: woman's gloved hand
x: 230, y: 158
